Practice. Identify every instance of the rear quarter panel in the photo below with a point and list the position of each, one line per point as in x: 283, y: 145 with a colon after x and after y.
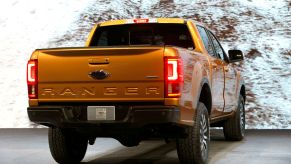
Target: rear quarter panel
x: 196, y: 71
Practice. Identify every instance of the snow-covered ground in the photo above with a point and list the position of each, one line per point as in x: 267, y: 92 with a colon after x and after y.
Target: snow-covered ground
x: 260, y: 28
x: 25, y: 26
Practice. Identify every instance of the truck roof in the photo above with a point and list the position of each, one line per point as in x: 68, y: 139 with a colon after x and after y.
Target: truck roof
x: 148, y: 20
x: 143, y: 20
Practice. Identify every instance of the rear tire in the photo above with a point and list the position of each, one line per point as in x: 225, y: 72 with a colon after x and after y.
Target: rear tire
x: 234, y: 127
x: 195, y: 147
x: 67, y: 146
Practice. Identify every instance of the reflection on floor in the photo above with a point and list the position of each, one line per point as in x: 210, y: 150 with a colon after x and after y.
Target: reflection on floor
x: 28, y: 146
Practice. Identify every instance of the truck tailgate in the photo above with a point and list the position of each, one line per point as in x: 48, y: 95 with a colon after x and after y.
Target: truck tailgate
x: 134, y: 74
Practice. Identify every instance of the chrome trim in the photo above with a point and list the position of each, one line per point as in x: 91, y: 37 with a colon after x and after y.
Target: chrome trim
x: 152, y: 77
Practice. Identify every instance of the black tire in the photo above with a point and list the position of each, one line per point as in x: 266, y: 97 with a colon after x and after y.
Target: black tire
x: 234, y: 127
x: 67, y: 146
x: 195, y: 147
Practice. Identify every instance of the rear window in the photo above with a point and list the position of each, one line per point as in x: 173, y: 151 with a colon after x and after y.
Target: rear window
x: 143, y: 34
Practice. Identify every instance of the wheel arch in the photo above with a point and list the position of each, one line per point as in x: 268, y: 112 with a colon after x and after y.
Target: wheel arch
x: 205, y: 95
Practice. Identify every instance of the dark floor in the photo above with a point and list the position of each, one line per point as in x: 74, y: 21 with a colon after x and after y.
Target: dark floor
x: 28, y: 146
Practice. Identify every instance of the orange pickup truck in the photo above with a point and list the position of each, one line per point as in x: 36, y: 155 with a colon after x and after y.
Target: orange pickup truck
x: 138, y: 79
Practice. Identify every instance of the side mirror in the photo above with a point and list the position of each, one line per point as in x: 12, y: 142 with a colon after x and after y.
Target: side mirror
x: 235, y: 56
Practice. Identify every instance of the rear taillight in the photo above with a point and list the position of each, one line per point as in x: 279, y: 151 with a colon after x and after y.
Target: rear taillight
x: 173, y: 77
x: 32, y: 79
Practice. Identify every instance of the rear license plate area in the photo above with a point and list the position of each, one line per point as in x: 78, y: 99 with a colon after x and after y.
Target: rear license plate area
x: 100, y: 113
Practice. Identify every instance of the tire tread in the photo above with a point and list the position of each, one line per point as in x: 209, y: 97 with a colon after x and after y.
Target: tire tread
x: 231, y: 128
x: 61, y: 148
x: 188, y: 149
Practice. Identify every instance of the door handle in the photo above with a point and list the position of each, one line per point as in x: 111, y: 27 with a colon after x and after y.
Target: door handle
x: 98, y: 61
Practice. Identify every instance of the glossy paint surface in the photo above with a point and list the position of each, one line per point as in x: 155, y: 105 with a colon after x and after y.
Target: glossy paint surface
x: 136, y: 75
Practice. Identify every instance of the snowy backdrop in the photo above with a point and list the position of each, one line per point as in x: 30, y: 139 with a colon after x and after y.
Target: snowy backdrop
x: 260, y: 28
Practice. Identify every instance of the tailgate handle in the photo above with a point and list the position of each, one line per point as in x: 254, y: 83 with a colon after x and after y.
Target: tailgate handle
x: 98, y: 61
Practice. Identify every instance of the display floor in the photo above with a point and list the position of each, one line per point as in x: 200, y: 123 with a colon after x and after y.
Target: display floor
x: 28, y: 146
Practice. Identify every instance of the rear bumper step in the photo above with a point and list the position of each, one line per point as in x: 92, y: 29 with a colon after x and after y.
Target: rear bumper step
x: 76, y: 116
